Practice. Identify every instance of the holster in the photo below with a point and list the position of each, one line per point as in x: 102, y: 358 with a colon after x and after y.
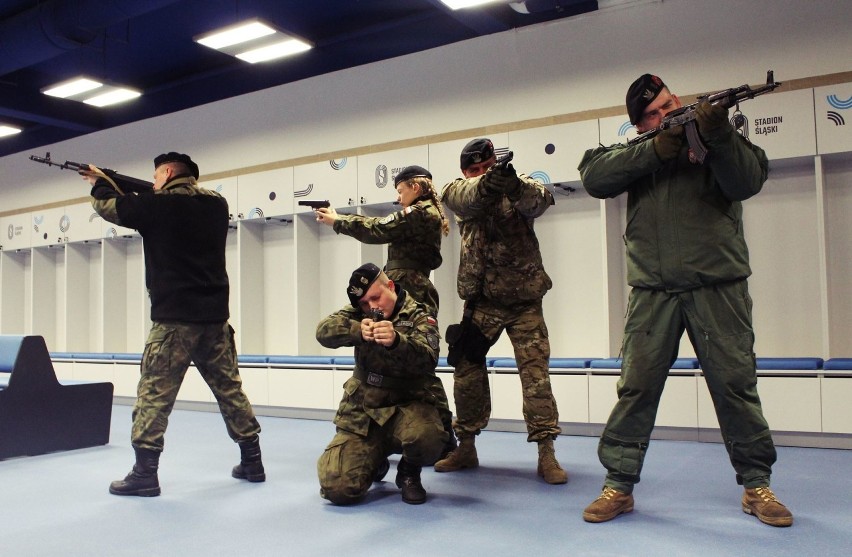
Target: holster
x: 466, y: 340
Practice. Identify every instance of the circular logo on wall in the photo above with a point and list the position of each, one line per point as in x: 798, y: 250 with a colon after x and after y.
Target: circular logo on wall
x: 64, y: 223
x: 11, y: 231
x: 381, y: 176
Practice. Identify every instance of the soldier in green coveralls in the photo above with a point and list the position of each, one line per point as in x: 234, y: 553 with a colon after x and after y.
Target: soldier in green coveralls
x: 687, y: 264
x: 413, y: 235
x: 184, y: 228
x: 386, y: 407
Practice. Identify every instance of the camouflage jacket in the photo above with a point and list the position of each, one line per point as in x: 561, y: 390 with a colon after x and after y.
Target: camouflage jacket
x: 413, y: 235
x: 500, y: 257
x: 413, y: 357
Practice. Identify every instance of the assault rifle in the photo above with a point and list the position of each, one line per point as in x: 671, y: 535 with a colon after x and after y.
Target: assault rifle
x: 315, y: 204
x: 120, y: 181
x: 685, y: 115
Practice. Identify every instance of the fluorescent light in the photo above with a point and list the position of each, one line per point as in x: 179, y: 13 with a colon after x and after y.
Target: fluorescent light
x: 71, y: 88
x: 114, y: 96
x: 91, y: 92
x: 8, y: 130
x: 253, y: 41
x: 286, y: 47
x: 240, y: 33
x: 460, y: 4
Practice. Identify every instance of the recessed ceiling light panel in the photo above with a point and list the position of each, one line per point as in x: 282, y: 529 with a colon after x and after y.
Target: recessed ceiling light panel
x: 71, y: 88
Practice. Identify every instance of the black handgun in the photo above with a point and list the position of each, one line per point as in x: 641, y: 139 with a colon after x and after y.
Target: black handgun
x: 377, y: 315
x: 315, y: 204
x: 504, y: 161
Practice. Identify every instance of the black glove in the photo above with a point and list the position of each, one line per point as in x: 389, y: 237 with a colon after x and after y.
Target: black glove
x: 712, y: 120
x: 668, y: 142
x: 103, y: 190
x: 501, y: 180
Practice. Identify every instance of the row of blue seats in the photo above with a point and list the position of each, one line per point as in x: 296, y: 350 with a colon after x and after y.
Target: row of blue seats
x: 779, y: 364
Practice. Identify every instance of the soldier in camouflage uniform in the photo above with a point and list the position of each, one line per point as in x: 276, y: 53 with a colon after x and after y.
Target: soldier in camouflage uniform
x: 501, y: 276
x: 184, y: 228
x: 413, y: 235
x: 386, y: 408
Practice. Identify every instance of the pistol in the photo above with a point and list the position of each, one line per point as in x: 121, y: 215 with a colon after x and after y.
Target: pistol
x: 315, y: 204
x: 377, y: 315
x: 504, y: 161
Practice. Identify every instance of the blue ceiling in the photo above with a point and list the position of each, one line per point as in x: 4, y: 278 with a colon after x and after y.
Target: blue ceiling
x: 147, y: 44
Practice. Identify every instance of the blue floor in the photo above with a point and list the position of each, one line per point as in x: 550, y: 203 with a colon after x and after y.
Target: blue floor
x: 687, y: 503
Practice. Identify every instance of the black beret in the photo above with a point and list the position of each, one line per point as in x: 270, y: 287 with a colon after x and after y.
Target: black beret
x: 177, y: 157
x: 410, y: 172
x: 360, y: 281
x: 641, y: 93
x: 476, y: 151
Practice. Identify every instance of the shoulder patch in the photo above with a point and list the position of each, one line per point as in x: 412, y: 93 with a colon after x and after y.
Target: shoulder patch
x: 434, y: 342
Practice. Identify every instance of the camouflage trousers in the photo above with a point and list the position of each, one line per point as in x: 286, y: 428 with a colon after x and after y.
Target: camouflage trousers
x: 718, y: 322
x: 419, y: 287
x: 526, y: 329
x: 169, y: 350
x: 350, y: 461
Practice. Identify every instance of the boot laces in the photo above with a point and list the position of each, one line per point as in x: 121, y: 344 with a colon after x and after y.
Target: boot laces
x: 549, y: 458
x: 608, y: 493
x: 766, y: 494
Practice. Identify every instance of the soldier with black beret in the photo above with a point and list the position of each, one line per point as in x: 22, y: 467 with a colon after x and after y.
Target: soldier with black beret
x: 413, y: 235
x: 184, y: 228
x: 687, y: 265
x: 387, y: 407
x: 502, y: 280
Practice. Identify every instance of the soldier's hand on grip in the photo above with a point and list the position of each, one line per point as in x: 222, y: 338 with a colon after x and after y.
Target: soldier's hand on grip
x: 367, y: 330
x: 501, y: 180
x: 712, y: 120
x: 667, y: 143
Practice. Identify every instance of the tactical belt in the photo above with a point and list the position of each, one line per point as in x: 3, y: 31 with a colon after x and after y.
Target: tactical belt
x: 407, y: 264
x: 385, y: 381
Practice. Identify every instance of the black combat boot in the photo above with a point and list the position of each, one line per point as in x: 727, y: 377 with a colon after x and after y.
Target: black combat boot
x: 382, y: 471
x: 408, y: 480
x: 142, y: 479
x: 250, y: 467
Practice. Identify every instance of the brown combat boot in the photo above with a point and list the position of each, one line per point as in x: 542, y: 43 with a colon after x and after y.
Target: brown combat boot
x: 548, y: 466
x: 608, y: 505
x: 763, y: 504
x: 463, y: 457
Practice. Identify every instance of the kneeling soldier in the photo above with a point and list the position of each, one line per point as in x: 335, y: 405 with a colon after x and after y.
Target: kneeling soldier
x: 386, y: 408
